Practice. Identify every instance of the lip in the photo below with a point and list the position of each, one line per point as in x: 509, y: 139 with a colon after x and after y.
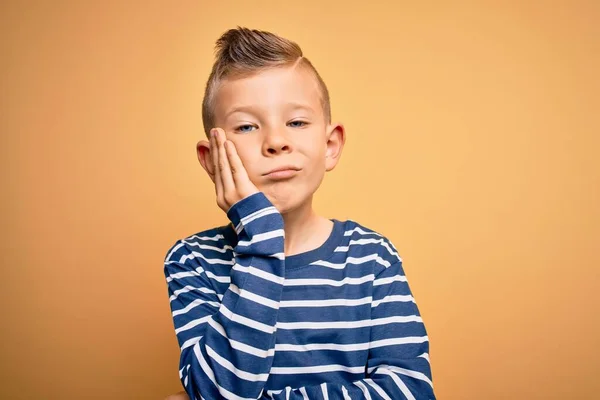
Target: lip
x: 282, y: 172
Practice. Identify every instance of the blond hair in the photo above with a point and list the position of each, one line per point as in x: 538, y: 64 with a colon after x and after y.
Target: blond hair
x: 243, y: 52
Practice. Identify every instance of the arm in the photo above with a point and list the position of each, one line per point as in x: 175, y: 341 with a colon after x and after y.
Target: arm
x: 398, y: 363
x: 227, y: 348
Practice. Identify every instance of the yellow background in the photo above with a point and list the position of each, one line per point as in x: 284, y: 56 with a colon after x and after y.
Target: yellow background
x: 473, y: 137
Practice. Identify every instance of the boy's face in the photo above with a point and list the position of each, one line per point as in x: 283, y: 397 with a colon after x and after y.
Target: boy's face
x: 275, y: 119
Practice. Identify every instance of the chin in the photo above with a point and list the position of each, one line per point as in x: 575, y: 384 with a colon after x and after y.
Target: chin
x: 288, y: 196
x: 287, y: 201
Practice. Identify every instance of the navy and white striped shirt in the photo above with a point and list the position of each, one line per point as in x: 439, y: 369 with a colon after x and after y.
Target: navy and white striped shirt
x: 336, y: 322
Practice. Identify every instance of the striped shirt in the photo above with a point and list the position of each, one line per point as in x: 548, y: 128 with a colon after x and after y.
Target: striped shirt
x: 336, y: 322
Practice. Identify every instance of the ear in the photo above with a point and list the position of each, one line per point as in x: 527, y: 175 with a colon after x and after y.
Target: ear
x: 205, y: 158
x: 336, y: 137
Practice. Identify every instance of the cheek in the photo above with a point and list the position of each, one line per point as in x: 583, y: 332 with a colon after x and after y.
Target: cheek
x: 317, y: 157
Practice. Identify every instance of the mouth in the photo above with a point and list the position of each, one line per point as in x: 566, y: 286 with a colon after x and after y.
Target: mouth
x: 282, y: 173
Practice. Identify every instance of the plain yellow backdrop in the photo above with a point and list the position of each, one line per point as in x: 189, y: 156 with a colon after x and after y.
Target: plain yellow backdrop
x: 473, y: 137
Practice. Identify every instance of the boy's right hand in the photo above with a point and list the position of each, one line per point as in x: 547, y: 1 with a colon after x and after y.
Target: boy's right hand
x: 231, y: 180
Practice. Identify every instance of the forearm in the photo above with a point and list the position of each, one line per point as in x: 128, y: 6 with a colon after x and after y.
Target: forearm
x: 234, y: 350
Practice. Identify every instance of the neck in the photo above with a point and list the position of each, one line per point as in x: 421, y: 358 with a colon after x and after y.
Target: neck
x: 304, y: 229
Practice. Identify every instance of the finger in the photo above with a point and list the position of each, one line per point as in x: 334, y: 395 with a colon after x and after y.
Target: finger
x: 215, y: 160
x: 238, y: 171
x: 226, y: 176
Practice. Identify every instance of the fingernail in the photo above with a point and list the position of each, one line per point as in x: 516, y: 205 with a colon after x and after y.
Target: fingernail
x: 213, y: 133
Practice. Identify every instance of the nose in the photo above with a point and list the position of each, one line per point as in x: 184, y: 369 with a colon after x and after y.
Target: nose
x: 276, y: 142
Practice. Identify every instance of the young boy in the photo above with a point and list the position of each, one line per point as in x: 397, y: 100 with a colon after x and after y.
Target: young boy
x: 283, y: 303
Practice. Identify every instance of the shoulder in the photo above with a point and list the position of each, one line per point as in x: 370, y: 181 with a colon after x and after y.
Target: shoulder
x: 361, y: 241
x: 210, y: 243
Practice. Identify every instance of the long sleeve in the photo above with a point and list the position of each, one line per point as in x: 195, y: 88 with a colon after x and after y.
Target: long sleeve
x: 398, y: 361
x: 227, y: 344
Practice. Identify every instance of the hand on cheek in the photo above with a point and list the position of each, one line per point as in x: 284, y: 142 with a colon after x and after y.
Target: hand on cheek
x: 232, y: 183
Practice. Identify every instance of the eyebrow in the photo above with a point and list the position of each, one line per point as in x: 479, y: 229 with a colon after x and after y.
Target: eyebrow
x: 238, y: 109
x: 300, y: 106
x: 249, y: 109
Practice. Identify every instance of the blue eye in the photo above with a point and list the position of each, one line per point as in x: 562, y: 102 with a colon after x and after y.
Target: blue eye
x: 298, y: 124
x: 242, y: 129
